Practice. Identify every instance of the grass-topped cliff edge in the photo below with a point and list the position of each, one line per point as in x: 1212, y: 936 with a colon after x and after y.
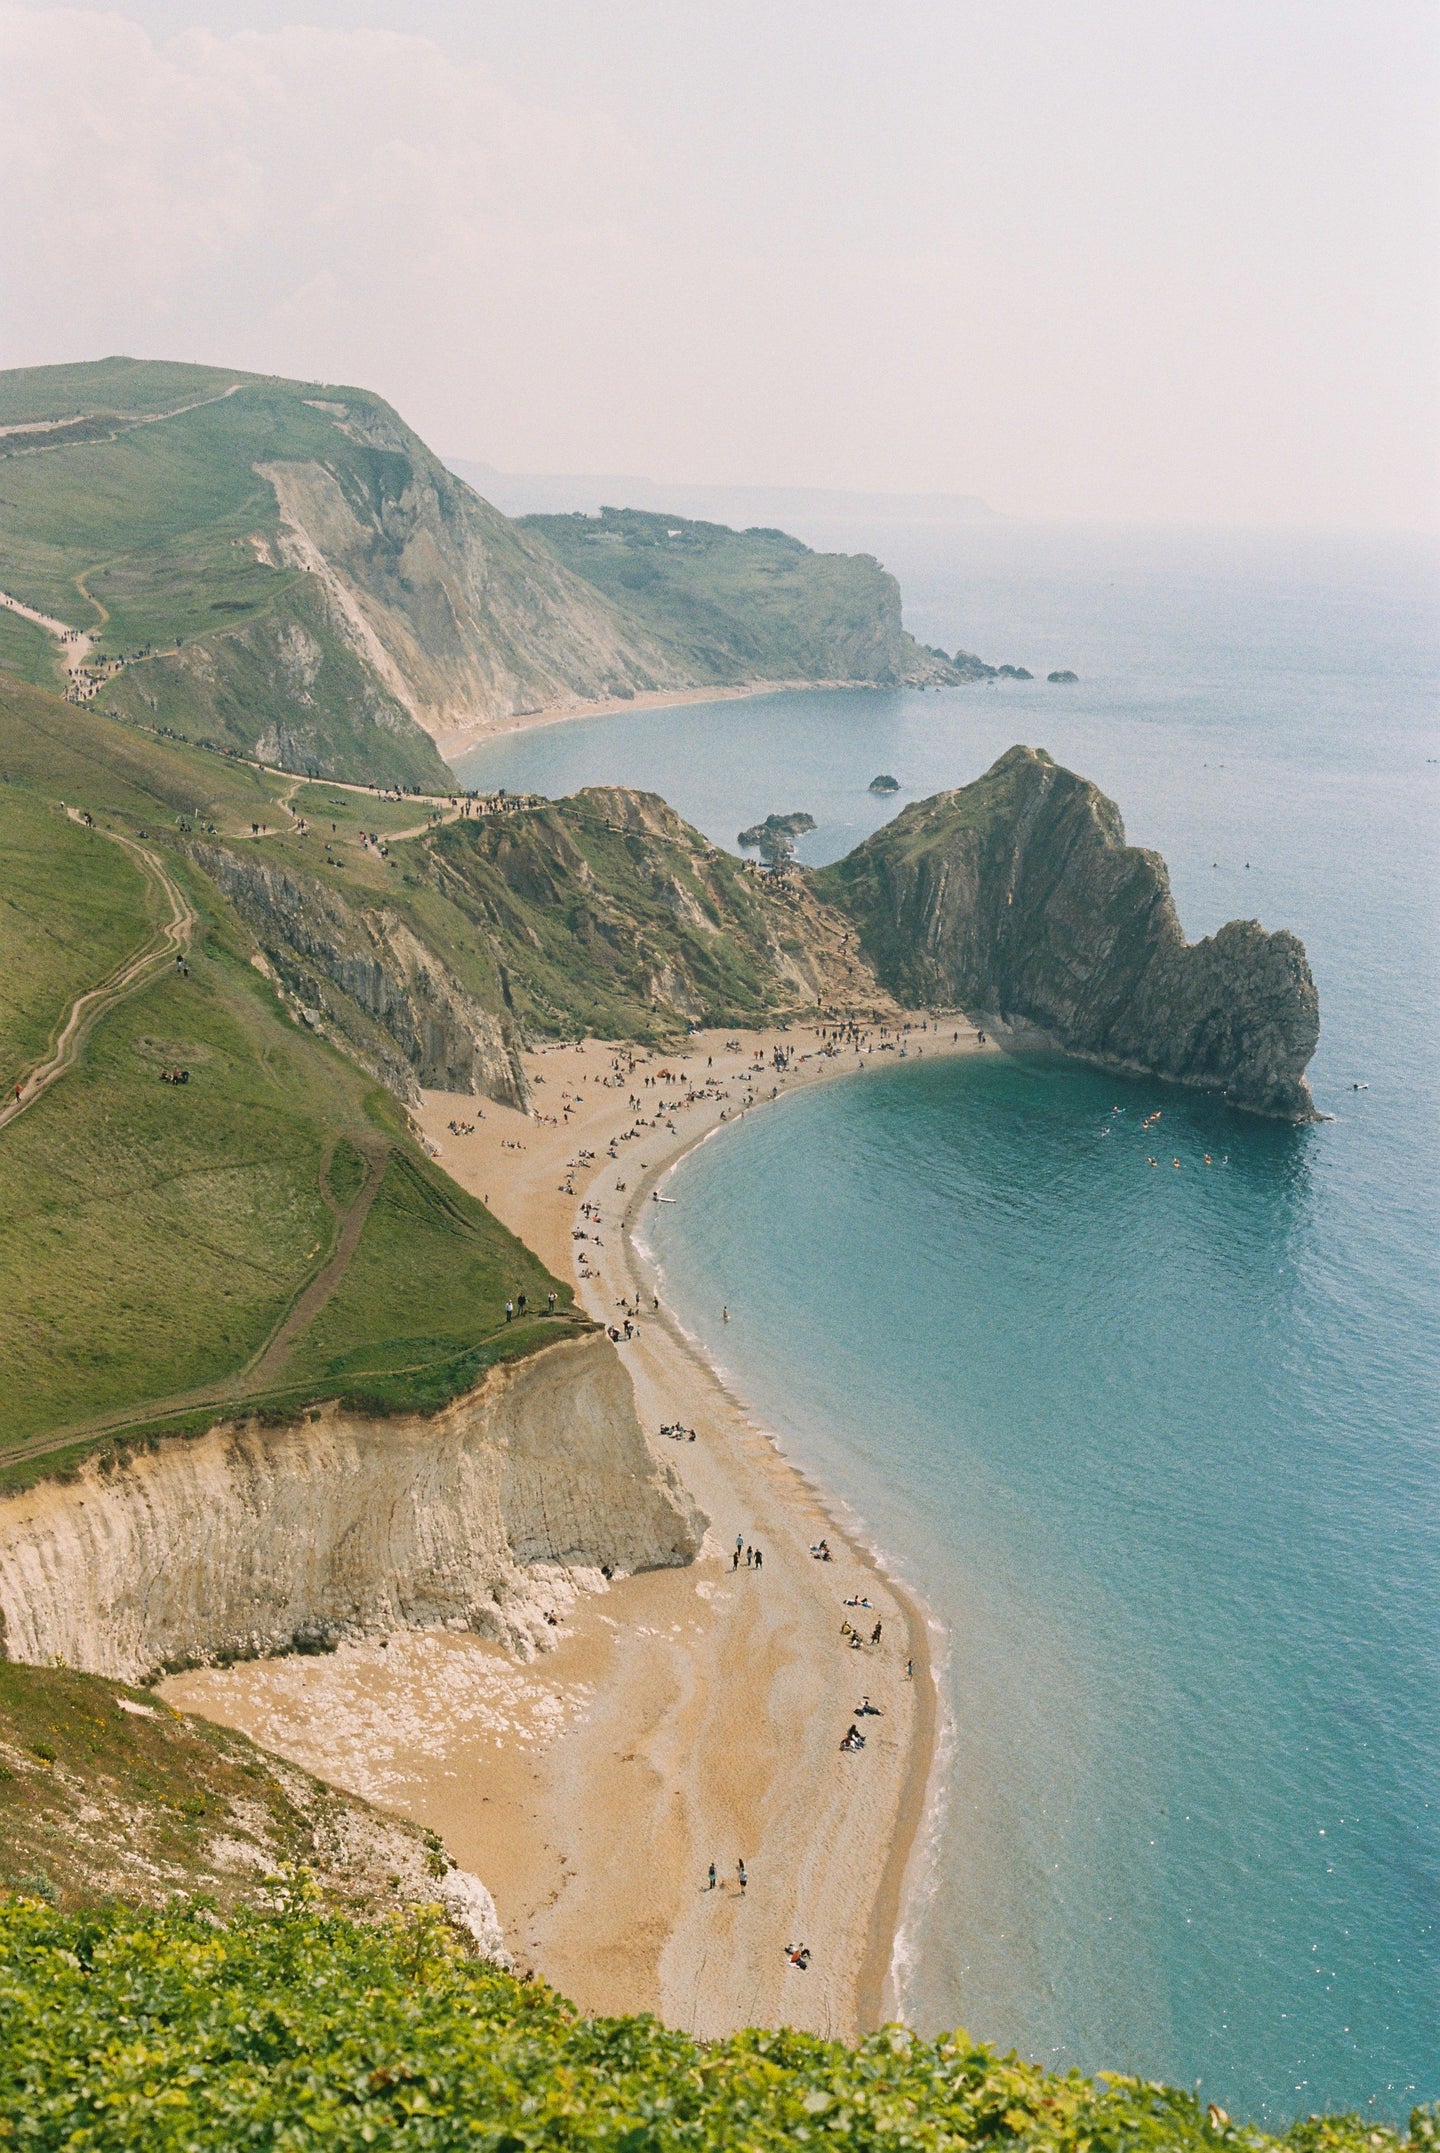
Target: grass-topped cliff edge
x: 264, y: 1234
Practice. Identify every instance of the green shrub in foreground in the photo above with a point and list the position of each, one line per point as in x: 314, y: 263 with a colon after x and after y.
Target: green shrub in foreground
x: 165, y: 2031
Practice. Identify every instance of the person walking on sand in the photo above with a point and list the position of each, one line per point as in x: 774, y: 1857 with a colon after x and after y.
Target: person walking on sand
x: 711, y: 1885
x: 875, y: 1635
x: 744, y: 1879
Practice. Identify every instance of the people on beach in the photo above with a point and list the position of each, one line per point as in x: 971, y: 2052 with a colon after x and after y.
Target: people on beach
x: 875, y: 1634
x: 740, y: 1872
x: 711, y: 1884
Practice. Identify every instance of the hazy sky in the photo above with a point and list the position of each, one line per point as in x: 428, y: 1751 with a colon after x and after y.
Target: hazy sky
x: 1154, y: 260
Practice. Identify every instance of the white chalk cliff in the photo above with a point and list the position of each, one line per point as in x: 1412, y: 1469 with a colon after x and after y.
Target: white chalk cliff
x: 252, y: 1539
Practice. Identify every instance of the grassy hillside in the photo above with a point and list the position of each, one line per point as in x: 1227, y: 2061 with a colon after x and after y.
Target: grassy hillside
x: 147, y: 525
x: 604, y: 913
x: 740, y: 605
x: 155, y: 1237
x: 26, y: 650
x: 69, y: 911
x: 103, y: 393
x: 163, y: 2031
x: 283, y: 567
x: 104, y: 1790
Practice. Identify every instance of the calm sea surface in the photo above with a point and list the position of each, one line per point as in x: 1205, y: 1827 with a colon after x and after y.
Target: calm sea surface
x: 1160, y: 1447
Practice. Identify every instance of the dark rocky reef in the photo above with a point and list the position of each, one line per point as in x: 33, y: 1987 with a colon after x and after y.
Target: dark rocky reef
x: 884, y: 783
x: 1018, y: 898
x: 774, y: 838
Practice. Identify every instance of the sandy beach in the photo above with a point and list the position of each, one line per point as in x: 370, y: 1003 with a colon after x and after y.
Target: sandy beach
x: 683, y: 1716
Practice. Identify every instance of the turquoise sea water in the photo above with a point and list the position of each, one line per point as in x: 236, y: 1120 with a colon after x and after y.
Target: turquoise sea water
x: 1160, y: 1447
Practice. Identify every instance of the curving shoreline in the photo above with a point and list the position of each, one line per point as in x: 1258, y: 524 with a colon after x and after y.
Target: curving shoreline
x: 680, y: 1716
x: 881, y: 1851
x: 877, y: 1998
x: 455, y: 745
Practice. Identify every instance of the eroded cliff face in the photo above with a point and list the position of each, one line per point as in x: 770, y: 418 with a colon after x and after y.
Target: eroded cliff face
x: 458, y: 613
x: 1018, y: 898
x: 253, y: 1539
x: 363, y: 977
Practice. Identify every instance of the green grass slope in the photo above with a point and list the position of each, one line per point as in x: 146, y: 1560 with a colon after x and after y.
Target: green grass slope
x: 167, y: 2031
x: 107, y: 392
x: 154, y: 1237
x: 604, y: 914
x: 739, y: 605
x: 285, y: 568
x: 104, y: 1791
x: 69, y: 911
x: 25, y: 649
x: 147, y: 525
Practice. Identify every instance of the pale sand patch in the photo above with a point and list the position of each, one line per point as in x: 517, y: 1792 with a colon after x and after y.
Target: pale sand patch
x: 683, y: 1716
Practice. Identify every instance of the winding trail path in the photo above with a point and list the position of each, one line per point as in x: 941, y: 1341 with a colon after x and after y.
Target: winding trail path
x: 313, y: 1296
x: 130, y: 976
x: 74, y: 642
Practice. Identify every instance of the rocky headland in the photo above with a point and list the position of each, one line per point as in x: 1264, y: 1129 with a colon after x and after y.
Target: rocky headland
x: 1018, y: 899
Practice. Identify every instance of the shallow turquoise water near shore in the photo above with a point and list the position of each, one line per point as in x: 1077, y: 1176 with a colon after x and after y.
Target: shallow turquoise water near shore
x: 1159, y: 1445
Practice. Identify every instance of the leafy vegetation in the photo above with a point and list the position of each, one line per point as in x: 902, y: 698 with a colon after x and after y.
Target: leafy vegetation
x: 169, y: 2031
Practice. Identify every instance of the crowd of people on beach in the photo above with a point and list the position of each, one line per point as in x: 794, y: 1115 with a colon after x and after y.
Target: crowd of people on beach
x: 657, y: 1092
